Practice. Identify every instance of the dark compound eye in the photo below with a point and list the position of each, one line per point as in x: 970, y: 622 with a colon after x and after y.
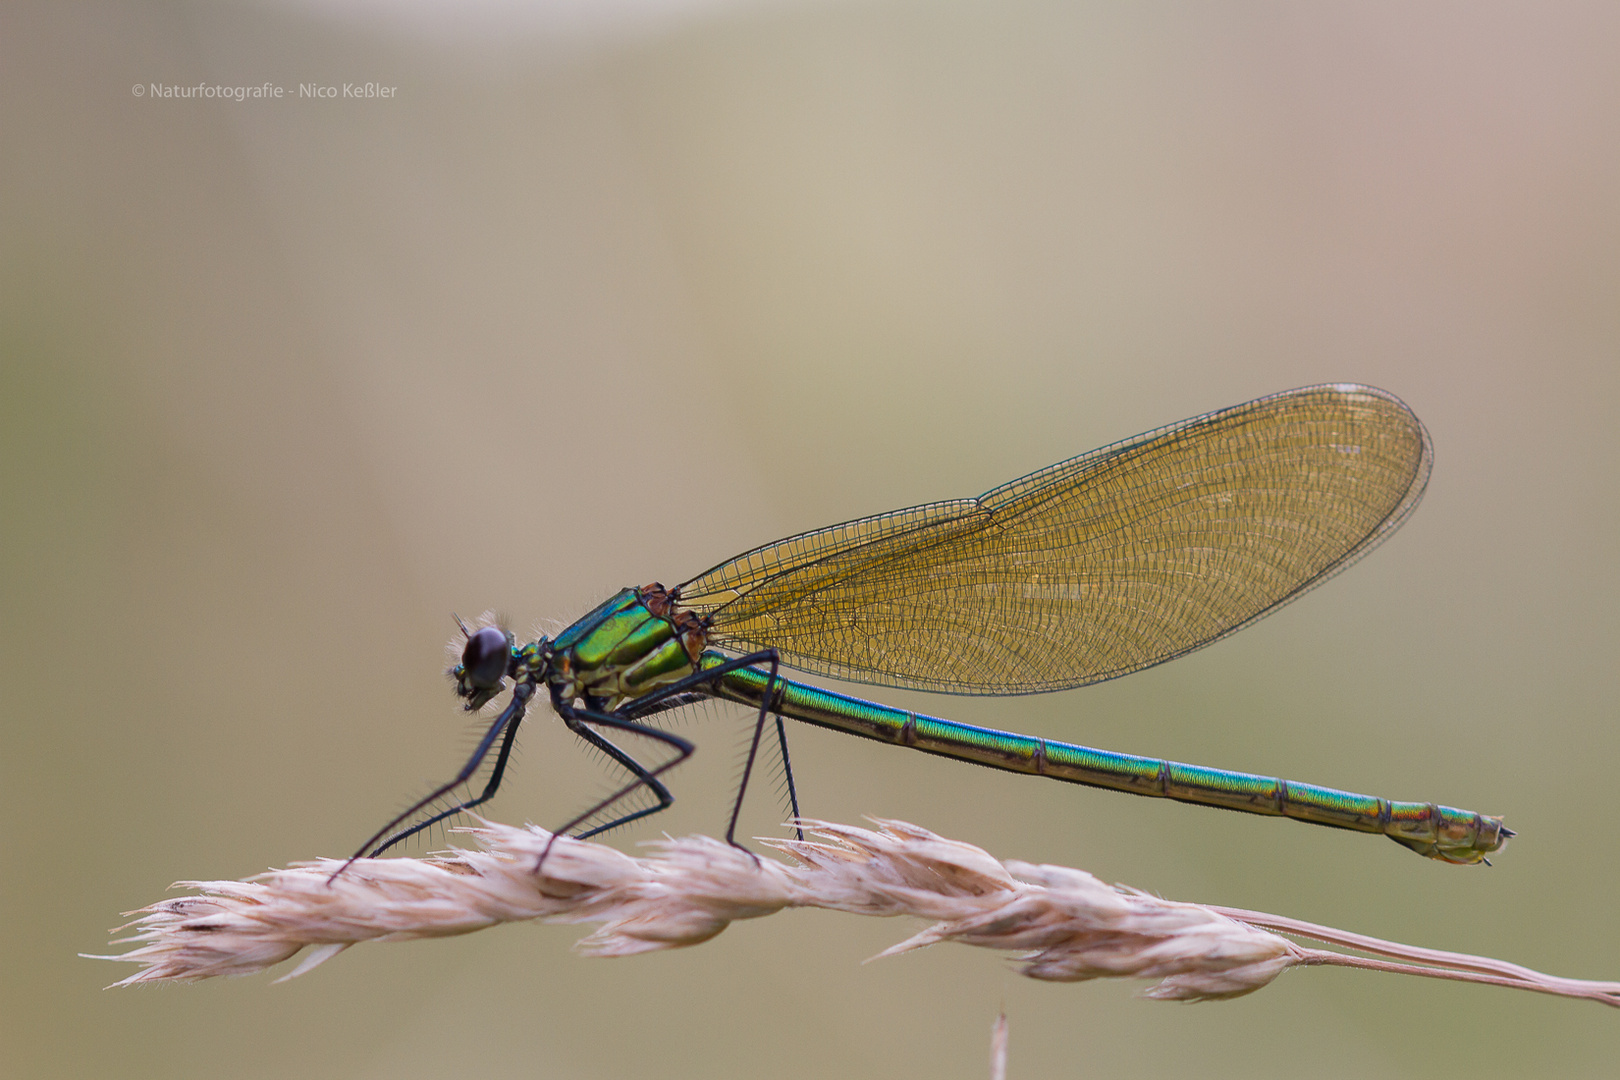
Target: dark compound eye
x: 484, y: 659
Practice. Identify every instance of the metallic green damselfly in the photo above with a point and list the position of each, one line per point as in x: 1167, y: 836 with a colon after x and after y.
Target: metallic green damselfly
x: 1096, y: 567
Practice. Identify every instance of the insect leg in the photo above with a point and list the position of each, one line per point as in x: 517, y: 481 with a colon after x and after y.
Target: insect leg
x: 681, y: 692
x: 577, y: 718
x: 643, y: 706
x: 753, y: 745
x: 703, y: 682
x: 787, y: 771
x: 508, y: 723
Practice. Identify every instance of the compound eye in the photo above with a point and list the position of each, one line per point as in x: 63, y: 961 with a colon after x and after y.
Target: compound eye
x: 484, y: 659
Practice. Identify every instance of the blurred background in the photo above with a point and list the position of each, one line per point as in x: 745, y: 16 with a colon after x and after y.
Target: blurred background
x: 607, y: 293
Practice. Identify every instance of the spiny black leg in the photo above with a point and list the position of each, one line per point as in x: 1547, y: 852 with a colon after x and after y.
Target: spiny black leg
x: 484, y: 796
x: 787, y: 771
x: 679, y: 701
x: 703, y: 682
x: 508, y: 722
x: 753, y: 746
x: 709, y: 677
x: 575, y: 718
x: 681, y: 692
x: 580, y: 727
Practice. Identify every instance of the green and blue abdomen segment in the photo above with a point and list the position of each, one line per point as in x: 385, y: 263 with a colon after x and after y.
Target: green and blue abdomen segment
x: 1440, y: 832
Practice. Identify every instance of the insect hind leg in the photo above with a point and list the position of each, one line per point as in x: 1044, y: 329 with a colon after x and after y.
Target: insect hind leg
x: 577, y: 718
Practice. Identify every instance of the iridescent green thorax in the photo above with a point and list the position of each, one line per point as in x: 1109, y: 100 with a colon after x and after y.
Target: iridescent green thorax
x: 636, y: 641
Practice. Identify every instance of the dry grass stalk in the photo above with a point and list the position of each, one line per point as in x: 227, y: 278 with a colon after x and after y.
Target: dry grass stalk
x: 1062, y: 924
x: 998, y: 1048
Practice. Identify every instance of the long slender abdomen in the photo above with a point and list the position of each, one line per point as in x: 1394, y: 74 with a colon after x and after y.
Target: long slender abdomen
x: 1439, y: 832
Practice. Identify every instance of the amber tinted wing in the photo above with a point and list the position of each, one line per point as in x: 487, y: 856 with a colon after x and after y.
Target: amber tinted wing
x: 1095, y: 567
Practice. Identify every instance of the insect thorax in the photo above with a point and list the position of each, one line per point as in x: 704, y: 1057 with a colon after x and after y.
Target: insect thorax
x: 636, y: 641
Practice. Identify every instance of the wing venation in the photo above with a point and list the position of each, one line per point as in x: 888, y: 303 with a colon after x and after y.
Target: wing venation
x: 1095, y: 567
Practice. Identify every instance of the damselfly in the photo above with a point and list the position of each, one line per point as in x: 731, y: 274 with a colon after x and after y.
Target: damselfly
x: 1096, y: 567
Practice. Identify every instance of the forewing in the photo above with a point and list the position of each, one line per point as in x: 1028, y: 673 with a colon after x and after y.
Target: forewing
x: 1093, y: 568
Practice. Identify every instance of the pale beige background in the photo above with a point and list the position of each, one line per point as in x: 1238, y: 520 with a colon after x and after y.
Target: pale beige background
x: 608, y: 295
